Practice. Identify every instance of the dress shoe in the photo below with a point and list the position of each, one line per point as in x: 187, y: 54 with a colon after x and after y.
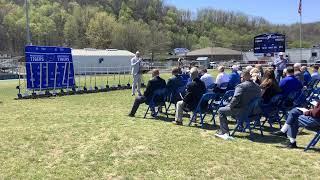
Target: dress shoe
x: 292, y: 145
x: 279, y: 133
x: 131, y: 115
x: 177, y: 123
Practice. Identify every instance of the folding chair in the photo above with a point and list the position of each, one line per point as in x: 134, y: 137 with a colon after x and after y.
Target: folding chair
x: 158, y: 99
x: 313, y: 84
x: 245, y: 119
x: 224, y: 85
x: 175, y: 96
x: 287, y: 103
x: 304, y: 123
x: 212, y: 86
x: 271, y: 110
x: 225, y: 100
x: 185, y: 78
x: 202, y: 112
x: 303, y: 99
x: 314, y: 95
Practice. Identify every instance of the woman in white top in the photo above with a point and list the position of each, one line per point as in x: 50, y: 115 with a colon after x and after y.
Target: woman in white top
x: 222, y: 78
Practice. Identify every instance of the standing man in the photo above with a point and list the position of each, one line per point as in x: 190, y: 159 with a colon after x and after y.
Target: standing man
x: 281, y: 64
x: 136, y: 73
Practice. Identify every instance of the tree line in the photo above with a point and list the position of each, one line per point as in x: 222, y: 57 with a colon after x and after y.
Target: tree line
x: 149, y: 25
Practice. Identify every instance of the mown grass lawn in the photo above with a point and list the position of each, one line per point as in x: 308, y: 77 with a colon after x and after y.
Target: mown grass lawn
x: 91, y: 137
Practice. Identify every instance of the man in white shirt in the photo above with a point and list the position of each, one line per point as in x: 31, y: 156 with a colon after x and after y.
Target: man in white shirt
x: 136, y: 73
x: 206, y: 78
x: 222, y: 78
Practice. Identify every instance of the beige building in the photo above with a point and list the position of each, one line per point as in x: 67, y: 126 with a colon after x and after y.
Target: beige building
x: 216, y: 54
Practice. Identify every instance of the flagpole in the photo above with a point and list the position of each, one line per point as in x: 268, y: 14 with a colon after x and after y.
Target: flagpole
x: 300, y: 12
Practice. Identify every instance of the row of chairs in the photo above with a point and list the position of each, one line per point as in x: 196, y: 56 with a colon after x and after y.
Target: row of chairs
x: 273, y: 112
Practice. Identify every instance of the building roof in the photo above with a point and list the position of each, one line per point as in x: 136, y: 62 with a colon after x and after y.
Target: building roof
x: 101, y: 52
x: 213, y: 51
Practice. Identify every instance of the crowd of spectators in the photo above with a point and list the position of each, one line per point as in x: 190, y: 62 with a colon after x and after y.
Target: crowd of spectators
x: 252, y: 82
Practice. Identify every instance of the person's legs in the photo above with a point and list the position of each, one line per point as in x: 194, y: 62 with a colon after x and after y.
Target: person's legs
x: 139, y: 84
x: 292, y: 119
x: 139, y: 100
x: 223, y: 113
x: 179, y: 111
x: 134, y: 84
x: 291, y: 123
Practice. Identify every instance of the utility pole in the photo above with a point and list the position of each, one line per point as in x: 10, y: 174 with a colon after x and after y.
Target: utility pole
x: 27, y: 23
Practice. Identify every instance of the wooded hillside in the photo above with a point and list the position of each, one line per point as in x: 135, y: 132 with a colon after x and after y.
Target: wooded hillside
x: 149, y: 25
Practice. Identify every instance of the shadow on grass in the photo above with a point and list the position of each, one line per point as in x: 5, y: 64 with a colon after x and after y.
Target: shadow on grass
x: 284, y: 146
x: 256, y: 137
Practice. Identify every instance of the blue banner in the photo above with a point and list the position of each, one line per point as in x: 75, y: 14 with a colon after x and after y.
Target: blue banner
x: 269, y: 43
x: 49, y: 68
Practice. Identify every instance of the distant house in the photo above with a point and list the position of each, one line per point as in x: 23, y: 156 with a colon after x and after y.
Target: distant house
x: 216, y: 54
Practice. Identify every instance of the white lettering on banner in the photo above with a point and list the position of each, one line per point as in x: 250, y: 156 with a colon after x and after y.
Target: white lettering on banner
x: 36, y: 58
x: 63, y: 58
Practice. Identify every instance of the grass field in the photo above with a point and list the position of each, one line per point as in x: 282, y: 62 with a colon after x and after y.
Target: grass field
x: 91, y: 137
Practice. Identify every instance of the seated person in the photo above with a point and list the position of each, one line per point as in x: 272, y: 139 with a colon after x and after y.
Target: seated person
x: 194, y: 93
x: 297, y: 72
x: 290, y: 83
x: 221, y: 79
x: 206, y: 78
x: 259, y: 66
x: 175, y: 81
x: 269, y: 86
x: 256, y: 76
x: 234, y: 78
x: 315, y: 74
x: 249, y: 68
x: 244, y: 94
x: 306, y: 75
x: 291, y: 126
x: 154, y: 84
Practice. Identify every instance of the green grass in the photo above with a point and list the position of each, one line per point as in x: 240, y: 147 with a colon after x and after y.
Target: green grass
x: 90, y: 137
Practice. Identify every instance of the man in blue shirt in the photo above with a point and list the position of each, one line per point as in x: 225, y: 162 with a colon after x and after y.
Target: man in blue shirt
x: 281, y: 64
x: 306, y: 75
x: 234, y: 77
x: 290, y: 83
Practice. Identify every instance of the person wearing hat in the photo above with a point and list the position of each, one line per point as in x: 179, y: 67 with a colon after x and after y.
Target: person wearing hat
x: 136, y: 73
x: 281, y: 64
x: 234, y: 77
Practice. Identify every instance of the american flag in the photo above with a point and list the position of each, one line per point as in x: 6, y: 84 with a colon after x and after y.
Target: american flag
x: 300, y: 7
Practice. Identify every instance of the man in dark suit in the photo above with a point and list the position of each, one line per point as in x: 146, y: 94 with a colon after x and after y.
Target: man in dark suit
x: 194, y: 92
x: 244, y: 94
x: 154, y: 84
